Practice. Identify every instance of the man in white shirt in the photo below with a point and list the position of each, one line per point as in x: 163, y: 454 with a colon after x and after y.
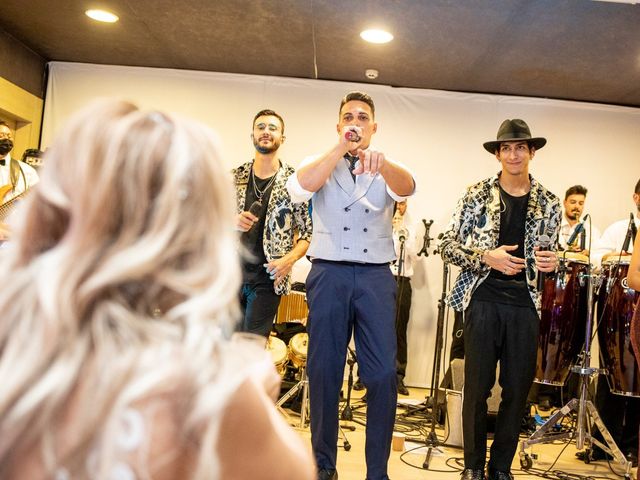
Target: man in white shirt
x: 405, y: 246
x: 16, y: 177
x: 574, y: 200
x: 611, y: 242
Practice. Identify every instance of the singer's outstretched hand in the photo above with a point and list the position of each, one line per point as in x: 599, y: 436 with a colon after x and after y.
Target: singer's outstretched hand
x: 546, y: 261
x: 245, y: 220
x: 500, y: 259
x: 371, y: 162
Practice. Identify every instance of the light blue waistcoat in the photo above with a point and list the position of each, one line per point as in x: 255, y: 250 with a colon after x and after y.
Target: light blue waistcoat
x: 352, y: 221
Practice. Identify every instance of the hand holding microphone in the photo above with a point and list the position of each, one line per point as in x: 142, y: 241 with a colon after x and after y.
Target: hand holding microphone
x: 545, y: 259
x: 245, y: 220
x: 352, y: 134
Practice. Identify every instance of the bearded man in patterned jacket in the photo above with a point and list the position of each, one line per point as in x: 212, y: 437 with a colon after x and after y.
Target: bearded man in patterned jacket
x: 276, y: 232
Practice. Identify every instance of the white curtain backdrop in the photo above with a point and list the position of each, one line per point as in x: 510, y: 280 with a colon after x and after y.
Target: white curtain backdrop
x: 438, y: 134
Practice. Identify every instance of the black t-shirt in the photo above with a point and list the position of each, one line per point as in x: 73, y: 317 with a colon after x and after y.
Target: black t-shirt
x: 498, y: 287
x: 253, y: 268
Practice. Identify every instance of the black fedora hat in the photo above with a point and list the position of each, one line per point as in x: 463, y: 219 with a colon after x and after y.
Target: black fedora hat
x: 513, y: 131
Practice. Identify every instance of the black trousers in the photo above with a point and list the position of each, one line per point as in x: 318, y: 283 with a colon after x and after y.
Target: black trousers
x: 259, y: 305
x: 402, y: 320
x: 496, y: 333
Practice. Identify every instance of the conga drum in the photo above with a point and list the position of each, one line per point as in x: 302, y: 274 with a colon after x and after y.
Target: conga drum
x: 616, y: 303
x: 562, y: 319
x: 278, y: 350
x: 298, y: 349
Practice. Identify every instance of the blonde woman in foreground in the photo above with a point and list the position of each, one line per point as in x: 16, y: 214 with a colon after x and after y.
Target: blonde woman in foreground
x: 120, y: 293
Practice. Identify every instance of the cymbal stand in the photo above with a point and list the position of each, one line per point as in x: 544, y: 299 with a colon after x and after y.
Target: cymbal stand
x: 586, y: 410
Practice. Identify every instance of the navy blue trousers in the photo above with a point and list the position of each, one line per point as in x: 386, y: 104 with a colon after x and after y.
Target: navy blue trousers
x: 345, y: 298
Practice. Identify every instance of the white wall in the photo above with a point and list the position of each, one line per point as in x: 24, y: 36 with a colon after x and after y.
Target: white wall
x: 439, y: 135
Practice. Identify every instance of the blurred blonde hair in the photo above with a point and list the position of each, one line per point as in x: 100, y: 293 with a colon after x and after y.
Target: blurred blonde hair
x: 125, y: 245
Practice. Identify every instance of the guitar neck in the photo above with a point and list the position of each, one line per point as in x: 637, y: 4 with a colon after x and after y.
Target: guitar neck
x: 7, y: 207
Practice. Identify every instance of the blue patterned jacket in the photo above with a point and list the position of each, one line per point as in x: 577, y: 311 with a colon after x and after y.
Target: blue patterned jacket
x: 284, y: 218
x: 475, y: 228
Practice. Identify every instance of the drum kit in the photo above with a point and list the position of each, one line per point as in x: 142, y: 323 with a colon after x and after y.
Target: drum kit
x: 292, y: 355
x: 569, y: 299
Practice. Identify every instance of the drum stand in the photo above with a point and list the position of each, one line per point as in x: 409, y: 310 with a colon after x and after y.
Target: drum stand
x: 303, y: 384
x: 304, y: 406
x: 586, y: 410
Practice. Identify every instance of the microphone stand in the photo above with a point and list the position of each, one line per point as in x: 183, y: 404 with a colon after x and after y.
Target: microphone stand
x: 347, y: 412
x: 432, y: 439
x: 426, y: 241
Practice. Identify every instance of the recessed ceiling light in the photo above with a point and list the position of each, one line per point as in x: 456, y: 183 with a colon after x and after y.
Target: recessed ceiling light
x: 376, y: 36
x: 102, y: 16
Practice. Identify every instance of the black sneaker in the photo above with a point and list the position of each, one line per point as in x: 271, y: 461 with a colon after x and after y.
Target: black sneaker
x: 324, y: 474
x: 471, y: 474
x: 358, y: 385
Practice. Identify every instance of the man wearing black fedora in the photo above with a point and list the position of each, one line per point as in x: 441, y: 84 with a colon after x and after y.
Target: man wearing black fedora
x: 503, y: 235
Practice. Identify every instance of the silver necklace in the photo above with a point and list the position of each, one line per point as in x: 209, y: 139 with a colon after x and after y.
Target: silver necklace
x: 260, y: 193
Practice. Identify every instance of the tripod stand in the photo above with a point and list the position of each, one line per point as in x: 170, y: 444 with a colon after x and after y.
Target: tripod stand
x: 303, y: 384
x: 585, y: 409
x: 432, y: 439
x: 347, y: 412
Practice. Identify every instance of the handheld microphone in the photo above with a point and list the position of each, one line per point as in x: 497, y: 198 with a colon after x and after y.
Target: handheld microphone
x: 255, y: 208
x: 544, y: 242
x: 631, y: 234
x: 403, y: 234
x: 352, y: 135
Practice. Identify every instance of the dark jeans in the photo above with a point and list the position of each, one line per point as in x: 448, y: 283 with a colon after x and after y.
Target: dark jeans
x: 496, y: 333
x: 259, y: 305
x: 402, y: 320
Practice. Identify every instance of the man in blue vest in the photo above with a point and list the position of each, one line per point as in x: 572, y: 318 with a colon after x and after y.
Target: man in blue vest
x: 350, y: 287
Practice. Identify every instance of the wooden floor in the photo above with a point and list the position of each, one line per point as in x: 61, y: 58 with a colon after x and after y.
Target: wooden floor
x: 446, y: 464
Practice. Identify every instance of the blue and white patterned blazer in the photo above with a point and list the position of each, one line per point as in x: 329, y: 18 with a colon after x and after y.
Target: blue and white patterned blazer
x: 475, y: 228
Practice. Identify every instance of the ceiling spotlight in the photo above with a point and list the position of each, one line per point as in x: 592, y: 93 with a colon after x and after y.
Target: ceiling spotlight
x: 371, y: 74
x: 102, y: 16
x: 376, y: 36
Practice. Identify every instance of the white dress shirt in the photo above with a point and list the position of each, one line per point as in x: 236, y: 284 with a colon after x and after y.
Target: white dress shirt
x: 30, y: 175
x: 402, y: 225
x: 612, y: 239
x: 299, y: 194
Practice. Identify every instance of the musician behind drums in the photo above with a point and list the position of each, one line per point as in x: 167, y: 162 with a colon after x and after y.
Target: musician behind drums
x: 16, y: 177
x: 620, y: 414
x: 574, y: 199
x: 276, y: 232
x: 495, y: 236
